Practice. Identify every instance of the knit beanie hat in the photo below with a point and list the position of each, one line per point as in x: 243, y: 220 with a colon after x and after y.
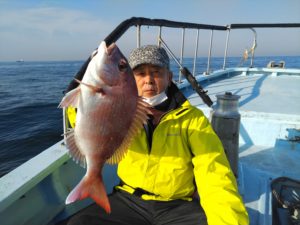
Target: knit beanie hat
x: 149, y: 54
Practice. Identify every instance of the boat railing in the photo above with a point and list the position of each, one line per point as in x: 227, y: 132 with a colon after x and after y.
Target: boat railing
x: 138, y: 22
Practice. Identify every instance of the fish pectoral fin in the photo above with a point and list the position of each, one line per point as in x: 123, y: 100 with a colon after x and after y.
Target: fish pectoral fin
x: 74, y: 151
x: 92, y: 87
x: 140, y: 118
x: 70, y: 99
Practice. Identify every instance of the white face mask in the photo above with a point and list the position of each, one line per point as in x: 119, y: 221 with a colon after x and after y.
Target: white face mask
x: 157, y: 99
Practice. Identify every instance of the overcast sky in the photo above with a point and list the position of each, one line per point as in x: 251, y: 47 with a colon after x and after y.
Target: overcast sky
x: 70, y: 30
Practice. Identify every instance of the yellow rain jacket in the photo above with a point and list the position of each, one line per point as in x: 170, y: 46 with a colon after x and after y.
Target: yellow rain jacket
x: 184, y: 150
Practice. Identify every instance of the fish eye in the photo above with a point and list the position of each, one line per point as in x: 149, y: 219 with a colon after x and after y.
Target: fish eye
x: 123, y: 65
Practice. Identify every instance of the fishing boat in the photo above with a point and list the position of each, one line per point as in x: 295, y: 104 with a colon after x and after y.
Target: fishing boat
x: 263, y: 104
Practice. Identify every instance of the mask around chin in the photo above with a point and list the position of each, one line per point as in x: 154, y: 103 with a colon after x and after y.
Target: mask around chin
x: 156, y: 100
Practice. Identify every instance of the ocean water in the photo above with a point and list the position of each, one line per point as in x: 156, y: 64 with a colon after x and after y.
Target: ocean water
x: 30, y: 92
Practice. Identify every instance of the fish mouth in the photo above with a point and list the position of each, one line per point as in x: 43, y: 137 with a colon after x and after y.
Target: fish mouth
x: 111, y: 48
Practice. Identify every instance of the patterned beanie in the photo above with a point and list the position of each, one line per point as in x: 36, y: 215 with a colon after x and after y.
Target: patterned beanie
x: 149, y: 54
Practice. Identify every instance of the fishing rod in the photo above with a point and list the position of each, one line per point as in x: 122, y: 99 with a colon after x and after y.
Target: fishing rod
x: 188, y: 75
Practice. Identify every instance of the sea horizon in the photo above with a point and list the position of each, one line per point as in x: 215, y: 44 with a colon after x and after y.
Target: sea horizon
x: 186, y: 57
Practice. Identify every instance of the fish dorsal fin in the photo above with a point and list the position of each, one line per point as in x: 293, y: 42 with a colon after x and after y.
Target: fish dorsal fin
x: 74, y: 151
x: 71, y: 98
x: 140, y: 118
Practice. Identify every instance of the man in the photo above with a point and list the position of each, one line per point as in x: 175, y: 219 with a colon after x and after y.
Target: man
x: 176, y: 154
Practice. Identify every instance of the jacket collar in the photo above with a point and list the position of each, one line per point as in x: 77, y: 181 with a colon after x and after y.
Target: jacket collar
x: 174, y: 101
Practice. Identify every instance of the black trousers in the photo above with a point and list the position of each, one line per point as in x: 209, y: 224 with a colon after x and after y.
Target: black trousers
x: 127, y: 209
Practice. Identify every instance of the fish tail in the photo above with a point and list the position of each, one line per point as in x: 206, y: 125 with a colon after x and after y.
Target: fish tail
x: 93, y: 188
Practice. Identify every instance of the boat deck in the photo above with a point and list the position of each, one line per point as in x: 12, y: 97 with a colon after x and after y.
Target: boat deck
x: 259, y: 91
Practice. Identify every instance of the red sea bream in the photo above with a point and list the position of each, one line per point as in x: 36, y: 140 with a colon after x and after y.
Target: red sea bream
x: 109, y: 114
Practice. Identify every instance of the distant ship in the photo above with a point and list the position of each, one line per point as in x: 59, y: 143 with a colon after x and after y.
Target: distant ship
x: 20, y: 60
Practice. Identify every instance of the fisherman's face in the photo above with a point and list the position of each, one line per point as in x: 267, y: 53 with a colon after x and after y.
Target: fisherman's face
x: 151, y: 80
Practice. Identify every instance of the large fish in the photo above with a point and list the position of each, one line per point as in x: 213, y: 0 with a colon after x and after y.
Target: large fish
x: 109, y: 114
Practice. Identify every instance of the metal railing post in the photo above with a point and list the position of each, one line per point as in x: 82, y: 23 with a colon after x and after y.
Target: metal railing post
x: 196, y: 53
x: 209, y: 52
x: 181, y: 53
x: 159, y: 36
x: 138, y: 38
x: 226, y: 48
x: 65, y: 123
x: 253, y: 47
